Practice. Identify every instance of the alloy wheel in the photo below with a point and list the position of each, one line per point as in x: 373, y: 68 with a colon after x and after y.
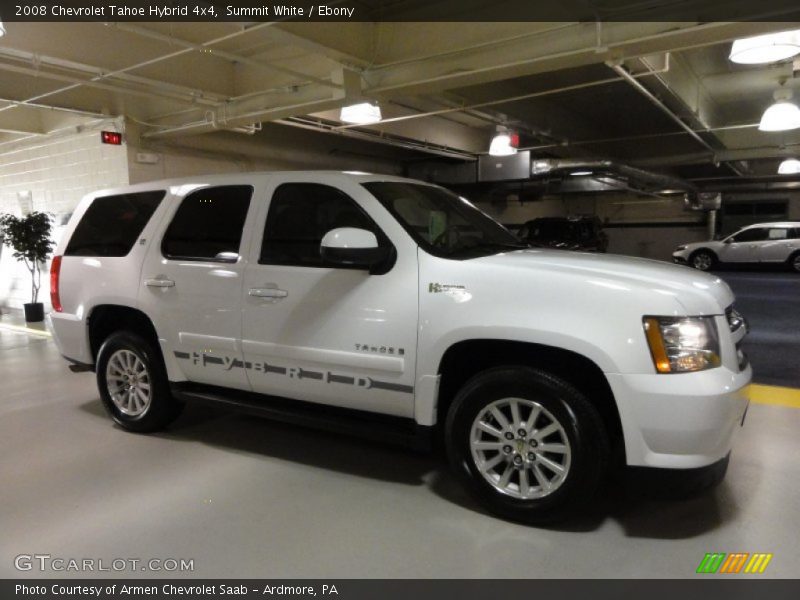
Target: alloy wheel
x: 128, y: 383
x: 520, y: 448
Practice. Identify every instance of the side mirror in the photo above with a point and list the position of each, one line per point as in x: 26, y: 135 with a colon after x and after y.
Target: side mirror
x: 727, y: 240
x: 352, y: 247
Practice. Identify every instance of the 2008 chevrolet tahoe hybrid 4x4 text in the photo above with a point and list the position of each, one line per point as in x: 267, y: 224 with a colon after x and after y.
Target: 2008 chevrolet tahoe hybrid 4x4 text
x: 395, y: 307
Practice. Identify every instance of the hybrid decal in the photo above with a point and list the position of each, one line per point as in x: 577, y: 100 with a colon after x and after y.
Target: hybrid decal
x: 438, y: 288
x: 368, y: 383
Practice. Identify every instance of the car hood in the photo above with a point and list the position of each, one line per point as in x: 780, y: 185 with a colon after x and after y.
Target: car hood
x: 698, y: 293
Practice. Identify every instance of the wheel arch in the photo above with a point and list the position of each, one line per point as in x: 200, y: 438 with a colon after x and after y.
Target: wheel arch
x: 465, y: 358
x: 105, y: 319
x: 703, y: 249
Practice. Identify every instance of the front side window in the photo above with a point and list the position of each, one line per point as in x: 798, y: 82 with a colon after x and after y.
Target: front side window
x: 208, y: 224
x: 442, y: 223
x: 300, y: 214
x: 755, y: 234
x: 111, y: 224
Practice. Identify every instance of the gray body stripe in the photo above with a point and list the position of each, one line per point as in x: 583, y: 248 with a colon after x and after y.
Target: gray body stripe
x: 327, y: 377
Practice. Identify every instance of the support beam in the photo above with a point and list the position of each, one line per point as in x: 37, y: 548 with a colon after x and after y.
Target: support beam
x: 21, y: 120
x: 552, y: 50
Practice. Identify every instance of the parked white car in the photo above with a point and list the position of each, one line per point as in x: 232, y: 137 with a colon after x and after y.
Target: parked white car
x: 767, y: 243
x: 396, y: 309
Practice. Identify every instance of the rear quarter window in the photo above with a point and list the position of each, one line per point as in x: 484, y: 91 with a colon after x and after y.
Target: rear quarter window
x: 111, y: 224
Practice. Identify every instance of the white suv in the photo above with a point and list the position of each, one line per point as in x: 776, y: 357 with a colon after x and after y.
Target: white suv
x: 765, y: 243
x: 396, y: 309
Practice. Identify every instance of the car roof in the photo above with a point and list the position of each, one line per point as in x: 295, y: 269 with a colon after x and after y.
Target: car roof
x: 775, y: 224
x: 250, y: 176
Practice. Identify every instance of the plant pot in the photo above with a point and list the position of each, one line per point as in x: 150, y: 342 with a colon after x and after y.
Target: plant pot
x: 34, y: 312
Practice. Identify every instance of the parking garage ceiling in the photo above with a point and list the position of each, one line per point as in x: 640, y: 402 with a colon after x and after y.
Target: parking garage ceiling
x: 658, y: 95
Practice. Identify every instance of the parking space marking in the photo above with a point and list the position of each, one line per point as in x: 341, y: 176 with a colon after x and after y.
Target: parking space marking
x: 20, y: 329
x: 771, y: 394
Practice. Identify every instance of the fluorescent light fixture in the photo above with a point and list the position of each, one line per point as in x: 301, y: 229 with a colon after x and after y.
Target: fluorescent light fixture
x: 501, y: 145
x: 764, y: 49
x: 781, y: 116
x: 360, y: 114
x: 580, y: 173
x: 790, y: 166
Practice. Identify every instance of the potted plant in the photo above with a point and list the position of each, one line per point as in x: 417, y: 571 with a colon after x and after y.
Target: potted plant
x: 29, y: 237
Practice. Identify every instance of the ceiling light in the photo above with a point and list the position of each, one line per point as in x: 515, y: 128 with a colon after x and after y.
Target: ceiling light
x: 360, y: 114
x: 790, y: 166
x: 781, y: 116
x: 504, y: 143
x: 580, y: 173
x: 763, y: 49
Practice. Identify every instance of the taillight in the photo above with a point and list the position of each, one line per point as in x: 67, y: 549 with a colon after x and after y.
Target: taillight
x: 55, y: 272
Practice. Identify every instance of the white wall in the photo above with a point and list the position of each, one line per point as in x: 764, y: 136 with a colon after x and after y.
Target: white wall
x: 57, y: 172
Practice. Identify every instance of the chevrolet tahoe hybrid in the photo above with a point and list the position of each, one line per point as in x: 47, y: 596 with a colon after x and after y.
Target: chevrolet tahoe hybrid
x: 396, y: 309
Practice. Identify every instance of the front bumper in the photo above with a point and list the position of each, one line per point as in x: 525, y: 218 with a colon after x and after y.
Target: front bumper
x: 680, y: 421
x: 681, y: 257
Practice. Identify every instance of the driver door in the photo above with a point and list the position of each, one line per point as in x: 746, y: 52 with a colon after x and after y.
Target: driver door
x: 743, y: 247
x: 315, y: 332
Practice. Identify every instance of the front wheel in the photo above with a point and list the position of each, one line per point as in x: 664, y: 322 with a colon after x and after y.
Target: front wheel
x: 527, y: 444
x: 703, y: 260
x: 133, y: 384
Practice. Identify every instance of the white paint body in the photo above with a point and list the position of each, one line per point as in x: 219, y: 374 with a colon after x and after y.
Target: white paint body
x: 375, y: 342
x: 777, y: 248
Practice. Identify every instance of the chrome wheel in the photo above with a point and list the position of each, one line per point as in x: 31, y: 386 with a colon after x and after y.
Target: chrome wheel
x: 520, y: 448
x: 128, y: 383
x: 702, y: 261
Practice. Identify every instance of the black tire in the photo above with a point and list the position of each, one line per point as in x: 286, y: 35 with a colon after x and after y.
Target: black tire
x: 703, y: 260
x: 580, y: 422
x: 794, y: 262
x: 161, y: 409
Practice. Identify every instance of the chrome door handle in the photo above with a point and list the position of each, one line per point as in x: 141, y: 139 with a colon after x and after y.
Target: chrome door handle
x: 267, y: 293
x: 159, y: 283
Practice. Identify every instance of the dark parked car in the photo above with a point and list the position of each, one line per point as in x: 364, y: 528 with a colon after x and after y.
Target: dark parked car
x: 566, y: 233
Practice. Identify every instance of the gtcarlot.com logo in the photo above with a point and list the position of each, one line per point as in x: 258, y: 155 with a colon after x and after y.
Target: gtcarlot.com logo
x: 46, y: 562
x: 734, y: 563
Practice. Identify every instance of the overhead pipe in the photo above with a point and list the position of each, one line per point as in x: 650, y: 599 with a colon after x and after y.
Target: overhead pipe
x: 622, y: 72
x: 657, y: 181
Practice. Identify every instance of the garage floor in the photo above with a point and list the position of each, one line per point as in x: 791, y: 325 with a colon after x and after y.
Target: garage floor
x: 247, y: 497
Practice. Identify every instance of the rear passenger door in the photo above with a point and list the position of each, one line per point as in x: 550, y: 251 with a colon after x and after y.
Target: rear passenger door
x: 331, y: 335
x: 191, y: 284
x: 780, y: 243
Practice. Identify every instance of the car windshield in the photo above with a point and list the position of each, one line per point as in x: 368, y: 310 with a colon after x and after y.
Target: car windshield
x: 443, y: 223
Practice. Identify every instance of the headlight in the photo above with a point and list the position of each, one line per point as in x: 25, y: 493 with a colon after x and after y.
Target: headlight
x: 682, y: 344
x: 679, y: 248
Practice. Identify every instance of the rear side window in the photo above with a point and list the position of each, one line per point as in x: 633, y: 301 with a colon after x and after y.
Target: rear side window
x: 208, y: 224
x: 111, y: 224
x: 778, y: 234
x: 300, y: 214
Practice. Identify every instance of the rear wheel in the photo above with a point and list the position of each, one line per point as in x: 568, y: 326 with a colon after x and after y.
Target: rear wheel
x: 703, y: 260
x: 133, y: 384
x: 794, y: 262
x: 528, y: 445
